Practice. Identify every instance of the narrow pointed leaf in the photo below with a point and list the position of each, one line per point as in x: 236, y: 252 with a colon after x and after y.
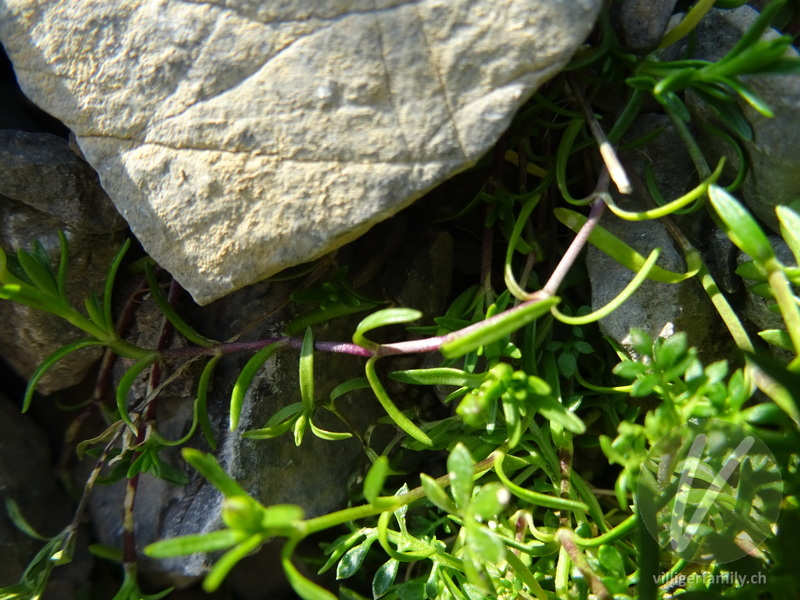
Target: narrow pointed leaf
x: 172, y: 315
x: 351, y: 385
x: 790, y: 228
x: 497, y: 327
x: 438, y: 376
x: 307, y: 370
x: 245, y: 378
x: 208, y: 467
x: 190, y: 544
x: 740, y: 226
x: 461, y: 468
x: 382, y: 318
x: 376, y: 476
x: 436, y: 494
x: 127, y: 382
x: 49, y: 362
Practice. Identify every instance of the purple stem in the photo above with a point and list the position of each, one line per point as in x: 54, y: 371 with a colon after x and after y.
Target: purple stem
x: 427, y: 344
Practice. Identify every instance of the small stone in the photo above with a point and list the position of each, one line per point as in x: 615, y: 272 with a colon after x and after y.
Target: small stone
x: 660, y: 309
x: 238, y: 140
x: 644, y: 22
x: 40, y: 170
x: 46, y: 188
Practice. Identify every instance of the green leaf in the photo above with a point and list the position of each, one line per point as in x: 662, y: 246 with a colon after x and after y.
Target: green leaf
x: 608, y: 243
x: 111, y: 277
x: 330, y: 436
x: 740, y: 226
x: 497, y: 327
x: 307, y: 371
x: 778, y: 338
x: 779, y: 383
x: 351, y: 385
x: 755, y: 31
x: 169, y: 312
x: 382, y: 318
x: 63, y: 267
x: 246, y: 377
x: 752, y: 270
x: 461, y: 469
x: 15, y: 514
x: 436, y: 494
x: 402, y: 421
x: 485, y: 546
x: 438, y: 376
x: 278, y: 424
x: 642, y: 343
x: 554, y: 411
x: 202, y: 400
x: 567, y: 365
x: 49, y: 362
x: 304, y: 588
x: 490, y: 500
x: 209, y: 468
x: 376, y: 476
x: 191, y: 544
x: 106, y: 552
x: 790, y: 229
x: 125, y: 384
x: 224, y: 565
x: 95, y: 311
x: 41, y: 274
x: 384, y: 578
x: 671, y: 350
x: 353, y: 559
x: 611, y: 559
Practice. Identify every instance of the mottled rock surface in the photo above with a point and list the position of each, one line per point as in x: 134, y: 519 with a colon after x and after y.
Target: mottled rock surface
x: 644, y: 22
x: 242, y: 138
x: 45, y: 188
x: 661, y: 309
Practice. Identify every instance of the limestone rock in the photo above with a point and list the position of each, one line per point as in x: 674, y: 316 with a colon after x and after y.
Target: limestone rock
x: 239, y: 138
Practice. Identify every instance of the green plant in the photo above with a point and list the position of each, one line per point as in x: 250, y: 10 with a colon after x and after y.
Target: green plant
x: 519, y: 513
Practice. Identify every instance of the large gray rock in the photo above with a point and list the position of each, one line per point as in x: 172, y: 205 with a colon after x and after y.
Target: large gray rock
x: 45, y: 188
x: 239, y: 138
x: 661, y: 309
